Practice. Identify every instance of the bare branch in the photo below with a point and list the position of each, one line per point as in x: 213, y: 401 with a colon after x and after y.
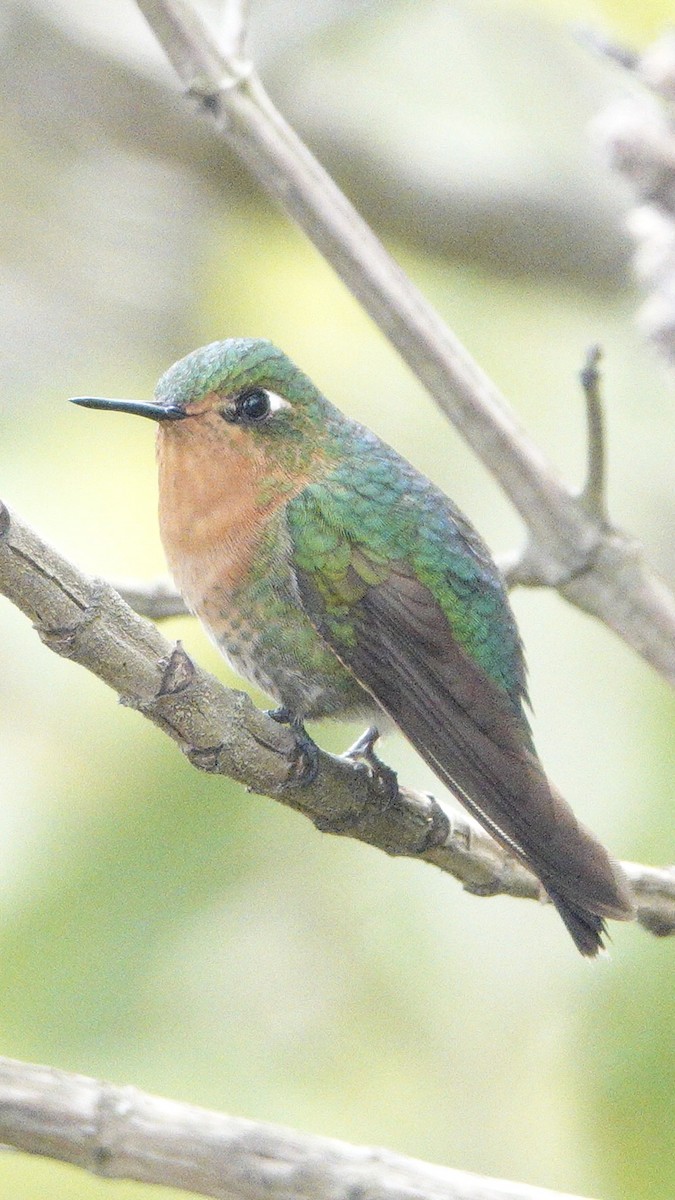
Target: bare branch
x: 122, y: 1133
x: 221, y: 731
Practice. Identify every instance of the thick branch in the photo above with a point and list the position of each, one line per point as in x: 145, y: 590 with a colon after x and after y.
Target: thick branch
x: 593, y: 565
x: 122, y: 1133
x: 222, y: 732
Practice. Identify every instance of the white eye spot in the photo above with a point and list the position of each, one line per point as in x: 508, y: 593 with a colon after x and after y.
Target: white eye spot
x: 277, y: 402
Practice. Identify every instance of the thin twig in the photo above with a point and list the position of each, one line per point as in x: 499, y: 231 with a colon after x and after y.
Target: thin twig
x: 600, y: 570
x: 593, y: 495
x: 123, y: 1133
x: 153, y: 598
x: 221, y: 731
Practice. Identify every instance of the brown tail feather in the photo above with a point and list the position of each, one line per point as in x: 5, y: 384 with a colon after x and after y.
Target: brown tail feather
x: 587, y: 928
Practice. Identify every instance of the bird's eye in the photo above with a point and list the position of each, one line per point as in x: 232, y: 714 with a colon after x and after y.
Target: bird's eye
x: 254, y: 405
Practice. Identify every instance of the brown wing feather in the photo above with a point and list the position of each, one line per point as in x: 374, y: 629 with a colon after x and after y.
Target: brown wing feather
x: 470, y: 733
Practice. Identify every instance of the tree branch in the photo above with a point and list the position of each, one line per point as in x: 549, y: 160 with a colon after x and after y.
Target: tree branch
x: 594, y: 565
x: 122, y: 1133
x: 221, y: 731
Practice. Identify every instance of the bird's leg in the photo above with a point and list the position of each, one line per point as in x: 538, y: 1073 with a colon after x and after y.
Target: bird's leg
x: 363, y: 751
x: 307, y: 751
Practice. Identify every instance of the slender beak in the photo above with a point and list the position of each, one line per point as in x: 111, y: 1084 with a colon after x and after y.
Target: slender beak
x: 141, y: 408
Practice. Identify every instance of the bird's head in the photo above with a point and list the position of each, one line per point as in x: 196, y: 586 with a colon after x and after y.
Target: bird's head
x: 239, y: 394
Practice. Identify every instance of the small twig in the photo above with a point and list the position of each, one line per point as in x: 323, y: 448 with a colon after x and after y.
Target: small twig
x: 154, y: 598
x: 593, y: 495
x: 122, y: 1133
x: 522, y: 568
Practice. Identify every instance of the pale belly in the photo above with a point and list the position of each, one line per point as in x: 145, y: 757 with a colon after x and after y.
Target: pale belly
x: 263, y: 632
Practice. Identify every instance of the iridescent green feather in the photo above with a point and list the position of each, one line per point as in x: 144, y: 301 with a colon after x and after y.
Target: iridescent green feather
x: 371, y: 511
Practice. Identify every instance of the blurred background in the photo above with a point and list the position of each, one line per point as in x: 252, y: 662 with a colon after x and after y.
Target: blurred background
x: 163, y: 928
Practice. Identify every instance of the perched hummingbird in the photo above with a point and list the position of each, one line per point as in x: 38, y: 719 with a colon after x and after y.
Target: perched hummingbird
x: 338, y: 579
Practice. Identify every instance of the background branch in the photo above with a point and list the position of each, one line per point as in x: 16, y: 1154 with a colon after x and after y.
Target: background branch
x: 638, y: 133
x: 122, y: 1133
x: 592, y: 564
x: 222, y: 732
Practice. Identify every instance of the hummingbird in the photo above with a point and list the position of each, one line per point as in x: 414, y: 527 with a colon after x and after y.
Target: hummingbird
x: 338, y: 579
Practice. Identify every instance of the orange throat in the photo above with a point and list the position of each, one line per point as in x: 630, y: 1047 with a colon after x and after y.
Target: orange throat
x: 217, y: 496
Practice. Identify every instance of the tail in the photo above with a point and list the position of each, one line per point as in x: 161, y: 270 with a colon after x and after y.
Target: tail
x: 581, y: 879
x: 589, y: 884
x: 527, y: 815
x: 473, y: 734
x: 587, y: 928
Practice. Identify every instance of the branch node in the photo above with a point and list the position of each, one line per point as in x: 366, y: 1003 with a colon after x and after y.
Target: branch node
x: 205, y: 758
x: 207, y: 92
x: 347, y: 823
x: 113, y: 1111
x: 64, y: 639
x: 521, y: 568
x: 439, y: 825
x: 179, y: 672
x: 383, y: 777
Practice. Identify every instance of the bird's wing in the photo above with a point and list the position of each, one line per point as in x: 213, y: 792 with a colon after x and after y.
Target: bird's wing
x: 390, y: 629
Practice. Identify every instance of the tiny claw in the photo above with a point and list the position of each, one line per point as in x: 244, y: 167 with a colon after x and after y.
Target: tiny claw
x: 306, y: 754
x: 363, y: 751
x: 282, y: 715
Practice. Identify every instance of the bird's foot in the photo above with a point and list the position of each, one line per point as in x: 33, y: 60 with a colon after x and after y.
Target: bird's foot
x: 363, y: 751
x: 306, y: 757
